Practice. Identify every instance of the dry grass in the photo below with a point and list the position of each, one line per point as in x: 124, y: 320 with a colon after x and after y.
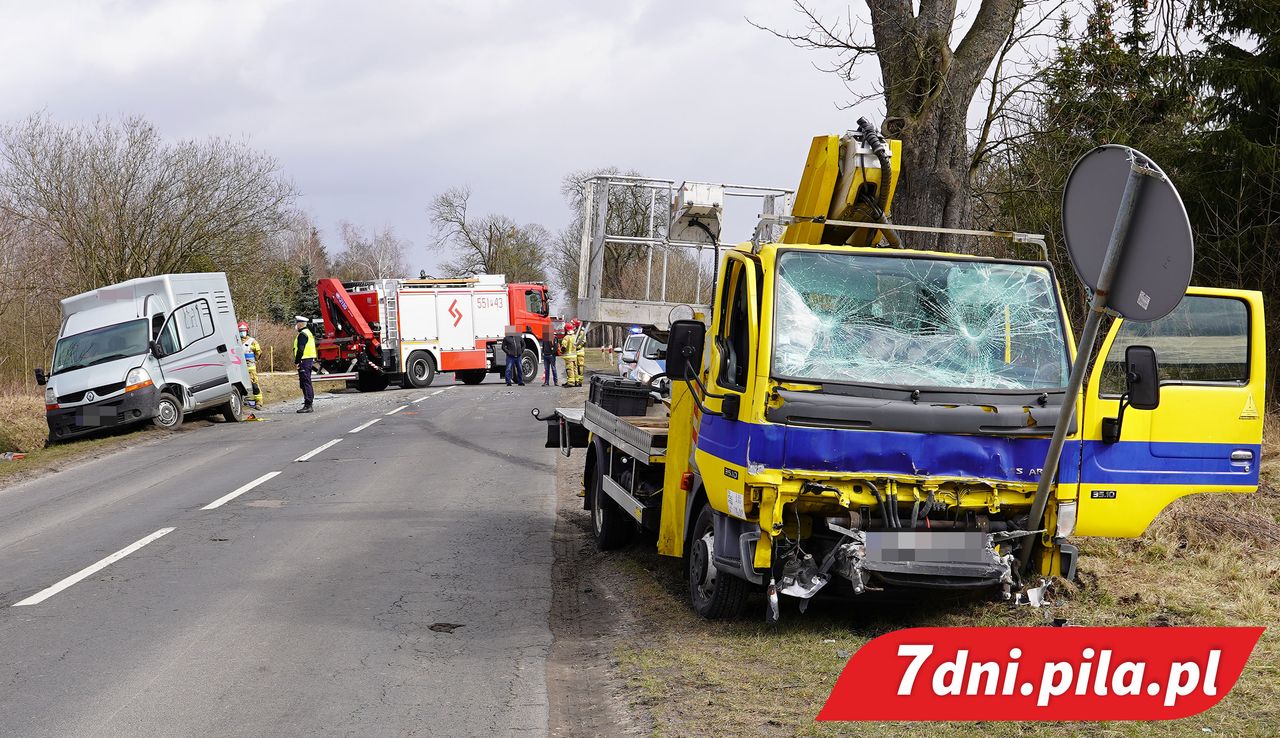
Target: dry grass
x: 22, y: 426
x: 1208, y: 560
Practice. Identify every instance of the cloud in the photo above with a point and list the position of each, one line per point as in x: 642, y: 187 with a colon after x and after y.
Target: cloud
x: 374, y: 107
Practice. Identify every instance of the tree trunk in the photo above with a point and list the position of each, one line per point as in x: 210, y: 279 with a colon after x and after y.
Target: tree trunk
x: 928, y: 88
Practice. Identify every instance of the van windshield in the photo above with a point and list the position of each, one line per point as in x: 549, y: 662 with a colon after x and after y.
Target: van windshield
x: 917, y: 322
x: 100, y: 345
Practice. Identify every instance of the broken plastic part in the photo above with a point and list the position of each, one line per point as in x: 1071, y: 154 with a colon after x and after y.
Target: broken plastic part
x: 917, y: 322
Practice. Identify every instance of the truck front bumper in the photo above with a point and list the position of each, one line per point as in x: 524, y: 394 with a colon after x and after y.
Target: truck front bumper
x: 81, y: 420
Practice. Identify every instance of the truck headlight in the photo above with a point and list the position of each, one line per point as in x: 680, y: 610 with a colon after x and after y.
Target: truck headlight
x: 1066, y: 518
x: 136, y: 379
x: 50, y: 397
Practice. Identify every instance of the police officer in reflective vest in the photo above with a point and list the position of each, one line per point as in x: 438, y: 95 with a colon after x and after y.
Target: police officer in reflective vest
x: 304, y: 356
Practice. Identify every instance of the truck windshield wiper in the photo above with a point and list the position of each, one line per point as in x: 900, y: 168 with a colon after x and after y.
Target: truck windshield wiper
x: 105, y: 359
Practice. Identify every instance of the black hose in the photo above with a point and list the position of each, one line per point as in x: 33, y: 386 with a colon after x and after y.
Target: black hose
x: 872, y: 139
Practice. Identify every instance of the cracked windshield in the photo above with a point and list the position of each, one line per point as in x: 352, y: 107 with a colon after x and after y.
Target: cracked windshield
x: 917, y: 322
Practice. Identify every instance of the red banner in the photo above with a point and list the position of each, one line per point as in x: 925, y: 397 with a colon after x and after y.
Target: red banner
x: 1040, y: 674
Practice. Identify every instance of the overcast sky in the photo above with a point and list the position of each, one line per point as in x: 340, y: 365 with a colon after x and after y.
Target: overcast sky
x: 374, y: 107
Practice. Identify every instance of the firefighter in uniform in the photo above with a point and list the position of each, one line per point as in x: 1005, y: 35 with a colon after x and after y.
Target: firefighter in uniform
x: 568, y: 350
x: 580, y: 350
x: 251, y: 352
x: 304, y: 356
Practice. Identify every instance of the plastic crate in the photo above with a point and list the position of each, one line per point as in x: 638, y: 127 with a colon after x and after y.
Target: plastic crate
x: 619, y: 396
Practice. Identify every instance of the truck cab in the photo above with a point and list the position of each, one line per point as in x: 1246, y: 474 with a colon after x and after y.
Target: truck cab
x: 154, y: 349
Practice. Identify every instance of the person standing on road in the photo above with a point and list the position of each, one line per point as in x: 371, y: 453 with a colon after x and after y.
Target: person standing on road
x: 251, y: 352
x: 304, y: 356
x: 513, y: 346
x: 580, y: 350
x: 549, y: 373
x: 567, y: 348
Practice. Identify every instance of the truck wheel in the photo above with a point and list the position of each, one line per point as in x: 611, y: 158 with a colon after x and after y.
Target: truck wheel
x: 612, y: 527
x: 421, y: 369
x: 471, y: 376
x: 233, y: 411
x: 715, y: 595
x: 529, y: 365
x: 168, y: 412
x: 371, y: 382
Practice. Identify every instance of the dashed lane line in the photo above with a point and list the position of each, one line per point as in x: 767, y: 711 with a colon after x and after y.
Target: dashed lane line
x: 90, y: 570
x: 307, y: 456
x: 362, y: 426
x: 393, y: 412
x: 232, y: 495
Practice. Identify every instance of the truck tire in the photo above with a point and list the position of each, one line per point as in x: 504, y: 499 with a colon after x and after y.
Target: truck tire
x: 168, y: 412
x: 715, y: 595
x: 471, y: 376
x: 612, y: 527
x: 529, y: 365
x: 372, y: 382
x: 233, y: 411
x: 420, y: 369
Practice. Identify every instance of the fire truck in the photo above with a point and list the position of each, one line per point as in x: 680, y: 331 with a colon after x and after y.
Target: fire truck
x: 407, y: 330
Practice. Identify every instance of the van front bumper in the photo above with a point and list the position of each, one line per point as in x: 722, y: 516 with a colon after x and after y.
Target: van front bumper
x: 81, y: 420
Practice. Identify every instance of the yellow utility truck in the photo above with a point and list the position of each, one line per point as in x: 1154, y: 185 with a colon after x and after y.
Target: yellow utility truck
x: 852, y: 411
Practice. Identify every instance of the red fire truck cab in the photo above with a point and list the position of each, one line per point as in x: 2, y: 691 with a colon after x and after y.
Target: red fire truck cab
x: 406, y: 330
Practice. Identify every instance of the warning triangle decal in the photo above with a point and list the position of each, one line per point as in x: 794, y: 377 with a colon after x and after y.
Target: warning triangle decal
x: 1250, y: 411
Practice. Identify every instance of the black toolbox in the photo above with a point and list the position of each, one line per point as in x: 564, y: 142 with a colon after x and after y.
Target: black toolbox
x: 618, y: 395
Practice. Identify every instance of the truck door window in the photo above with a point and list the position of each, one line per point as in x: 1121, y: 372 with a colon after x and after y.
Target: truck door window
x: 1205, y: 340
x: 186, y: 325
x: 534, y: 302
x: 733, y: 338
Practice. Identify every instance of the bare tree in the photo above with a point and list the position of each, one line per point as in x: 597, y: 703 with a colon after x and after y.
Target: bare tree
x: 121, y: 202
x: 488, y: 244
x: 371, y: 255
x: 929, y: 83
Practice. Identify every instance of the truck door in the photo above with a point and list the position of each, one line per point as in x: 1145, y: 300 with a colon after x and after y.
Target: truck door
x: 1206, y: 433
x: 723, y: 441
x: 193, y: 353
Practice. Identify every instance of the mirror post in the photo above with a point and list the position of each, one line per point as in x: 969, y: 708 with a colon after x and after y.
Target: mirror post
x: 1084, y: 352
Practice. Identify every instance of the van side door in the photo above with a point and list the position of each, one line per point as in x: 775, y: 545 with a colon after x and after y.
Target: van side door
x: 1206, y: 433
x: 193, y: 354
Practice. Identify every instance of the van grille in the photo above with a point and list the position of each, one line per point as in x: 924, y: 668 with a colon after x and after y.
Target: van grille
x: 102, y: 391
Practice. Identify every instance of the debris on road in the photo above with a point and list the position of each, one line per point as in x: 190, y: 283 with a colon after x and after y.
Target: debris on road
x: 444, y: 627
x: 12, y: 456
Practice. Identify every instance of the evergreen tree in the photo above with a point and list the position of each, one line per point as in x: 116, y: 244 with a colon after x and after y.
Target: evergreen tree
x: 307, y: 302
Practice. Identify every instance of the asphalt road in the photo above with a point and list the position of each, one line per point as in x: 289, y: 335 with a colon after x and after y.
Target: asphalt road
x: 305, y: 605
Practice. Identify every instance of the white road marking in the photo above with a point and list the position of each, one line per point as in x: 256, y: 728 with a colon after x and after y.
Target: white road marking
x: 315, y: 451
x: 88, y: 571
x: 433, y: 394
x: 362, y: 426
x: 232, y: 495
x: 420, y: 399
x: 393, y: 412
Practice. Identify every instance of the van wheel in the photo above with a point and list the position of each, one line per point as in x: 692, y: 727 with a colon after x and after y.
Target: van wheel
x: 529, y: 365
x: 233, y: 411
x: 471, y: 376
x: 168, y: 412
x: 421, y: 369
x: 715, y: 595
x: 612, y: 527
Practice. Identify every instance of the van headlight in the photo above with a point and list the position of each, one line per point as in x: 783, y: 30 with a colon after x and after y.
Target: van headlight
x: 50, y: 396
x: 137, y: 378
x: 1066, y: 518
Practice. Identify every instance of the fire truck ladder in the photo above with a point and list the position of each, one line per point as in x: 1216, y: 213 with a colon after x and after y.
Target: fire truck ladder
x: 390, y: 323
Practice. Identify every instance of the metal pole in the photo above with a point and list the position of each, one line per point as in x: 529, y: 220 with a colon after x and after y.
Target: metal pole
x: 1097, y: 306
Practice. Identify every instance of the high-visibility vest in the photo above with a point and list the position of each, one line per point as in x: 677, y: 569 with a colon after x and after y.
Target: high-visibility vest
x: 309, y: 351
x: 580, y: 343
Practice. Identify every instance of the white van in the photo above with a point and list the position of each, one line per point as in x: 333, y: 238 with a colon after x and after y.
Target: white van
x: 153, y: 349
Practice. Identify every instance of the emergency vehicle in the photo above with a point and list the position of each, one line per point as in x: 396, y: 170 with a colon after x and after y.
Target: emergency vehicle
x: 406, y: 330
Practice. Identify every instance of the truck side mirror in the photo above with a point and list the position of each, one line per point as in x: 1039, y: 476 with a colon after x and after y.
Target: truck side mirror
x: 1142, y: 389
x: 41, y: 379
x: 156, y: 351
x: 1142, y: 377
x: 684, y: 349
